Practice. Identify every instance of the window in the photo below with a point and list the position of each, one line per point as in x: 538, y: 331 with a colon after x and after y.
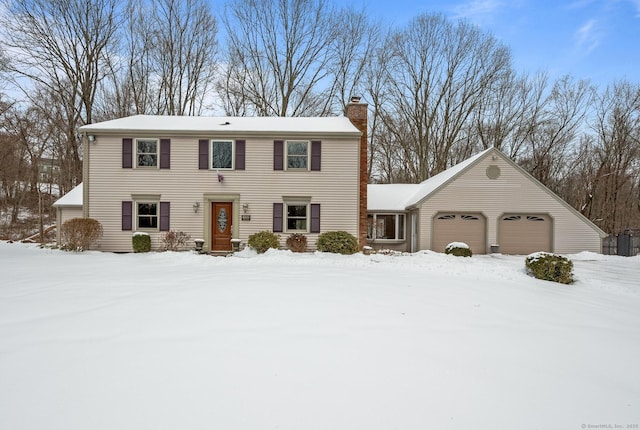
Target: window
x: 222, y: 154
x: 297, y: 155
x: 386, y: 226
x: 296, y: 217
x: 147, y: 215
x: 147, y: 152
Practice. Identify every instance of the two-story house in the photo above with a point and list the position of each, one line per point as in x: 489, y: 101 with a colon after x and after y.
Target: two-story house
x: 223, y: 178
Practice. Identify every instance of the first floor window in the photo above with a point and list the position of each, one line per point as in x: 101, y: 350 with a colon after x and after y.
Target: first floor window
x: 296, y: 217
x: 386, y: 226
x: 147, y: 215
x: 147, y: 152
x: 222, y: 154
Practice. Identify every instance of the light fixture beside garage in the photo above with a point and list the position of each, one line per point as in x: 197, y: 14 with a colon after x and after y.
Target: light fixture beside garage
x: 493, y: 172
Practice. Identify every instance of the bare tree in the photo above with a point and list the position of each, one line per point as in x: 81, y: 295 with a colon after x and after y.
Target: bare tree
x: 61, y: 46
x: 183, y: 54
x: 166, y: 62
x: 439, y: 73
x: 279, y: 56
x: 507, y: 116
x: 555, y: 130
x: 613, y: 186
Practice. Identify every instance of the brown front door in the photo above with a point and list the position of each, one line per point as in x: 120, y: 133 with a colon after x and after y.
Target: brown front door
x: 221, y: 217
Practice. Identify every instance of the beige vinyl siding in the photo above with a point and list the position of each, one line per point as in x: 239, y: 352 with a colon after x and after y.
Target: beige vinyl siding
x: 512, y: 192
x: 335, y: 187
x: 64, y: 214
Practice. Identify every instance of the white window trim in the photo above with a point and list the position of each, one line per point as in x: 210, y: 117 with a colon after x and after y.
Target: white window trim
x: 137, y: 217
x: 296, y: 201
x: 233, y: 154
x: 286, y: 155
x: 135, y: 153
x: 397, y: 227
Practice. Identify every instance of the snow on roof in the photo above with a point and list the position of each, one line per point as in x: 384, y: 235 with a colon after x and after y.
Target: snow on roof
x: 398, y: 197
x: 389, y: 197
x: 319, y: 125
x: 72, y: 198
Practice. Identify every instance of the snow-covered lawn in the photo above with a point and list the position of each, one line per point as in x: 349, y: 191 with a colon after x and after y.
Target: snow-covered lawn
x: 314, y: 341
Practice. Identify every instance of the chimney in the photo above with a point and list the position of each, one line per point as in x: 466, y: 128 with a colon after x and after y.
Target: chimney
x: 357, y: 113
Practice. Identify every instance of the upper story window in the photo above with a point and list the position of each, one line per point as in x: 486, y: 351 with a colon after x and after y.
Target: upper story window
x: 222, y: 154
x: 386, y: 226
x: 147, y: 152
x: 297, y: 154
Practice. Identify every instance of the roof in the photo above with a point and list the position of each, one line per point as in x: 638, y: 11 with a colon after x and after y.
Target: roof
x: 389, y: 197
x: 434, y: 183
x: 72, y: 198
x: 399, y: 197
x: 207, y: 124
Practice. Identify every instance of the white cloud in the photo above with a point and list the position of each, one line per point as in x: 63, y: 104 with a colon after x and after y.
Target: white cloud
x: 636, y: 4
x: 477, y: 9
x: 588, y: 36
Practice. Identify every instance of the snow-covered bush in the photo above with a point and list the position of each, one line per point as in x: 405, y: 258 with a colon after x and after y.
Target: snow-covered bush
x: 141, y: 242
x: 263, y: 240
x: 297, y: 242
x: 459, y: 249
x: 174, y: 240
x: 78, y: 234
x: 338, y: 242
x: 550, y: 267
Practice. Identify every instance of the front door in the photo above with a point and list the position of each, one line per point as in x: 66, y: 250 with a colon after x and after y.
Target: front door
x: 221, y: 217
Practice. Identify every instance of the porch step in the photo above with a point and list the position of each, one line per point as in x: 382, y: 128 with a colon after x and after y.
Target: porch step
x: 219, y: 253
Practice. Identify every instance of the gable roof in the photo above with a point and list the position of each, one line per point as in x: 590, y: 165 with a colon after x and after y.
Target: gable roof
x: 72, y: 198
x: 400, y: 197
x: 208, y: 124
x: 385, y: 200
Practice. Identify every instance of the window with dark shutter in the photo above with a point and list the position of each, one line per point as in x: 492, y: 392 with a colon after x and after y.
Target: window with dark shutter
x: 203, y: 154
x: 316, y: 154
x: 277, y: 217
x: 165, y: 153
x: 315, y: 218
x: 240, y: 148
x: 278, y: 154
x: 165, y: 210
x: 127, y: 216
x: 127, y: 153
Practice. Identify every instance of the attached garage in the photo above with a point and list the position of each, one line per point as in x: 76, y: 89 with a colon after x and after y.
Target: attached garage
x: 469, y: 228
x: 486, y: 200
x: 525, y: 233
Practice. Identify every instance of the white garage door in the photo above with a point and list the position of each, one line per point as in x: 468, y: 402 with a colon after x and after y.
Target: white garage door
x: 524, y: 233
x: 469, y: 228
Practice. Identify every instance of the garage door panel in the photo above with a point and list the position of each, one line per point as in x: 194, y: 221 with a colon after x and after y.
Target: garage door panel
x: 524, y: 233
x: 469, y: 228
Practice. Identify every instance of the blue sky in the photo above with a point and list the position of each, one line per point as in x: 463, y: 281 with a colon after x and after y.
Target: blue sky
x: 597, y: 40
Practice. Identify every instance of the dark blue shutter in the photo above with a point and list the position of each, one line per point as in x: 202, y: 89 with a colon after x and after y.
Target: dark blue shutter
x: 203, y: 154
x: 277, y: 217
x: 315, y: 218
x: 240, y: 148
x: 316, y: 154
x: 278, y: 154
x: 127, y: 153
x: 165, y: 153
x: 165, y: 210
x: 127, y: 216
